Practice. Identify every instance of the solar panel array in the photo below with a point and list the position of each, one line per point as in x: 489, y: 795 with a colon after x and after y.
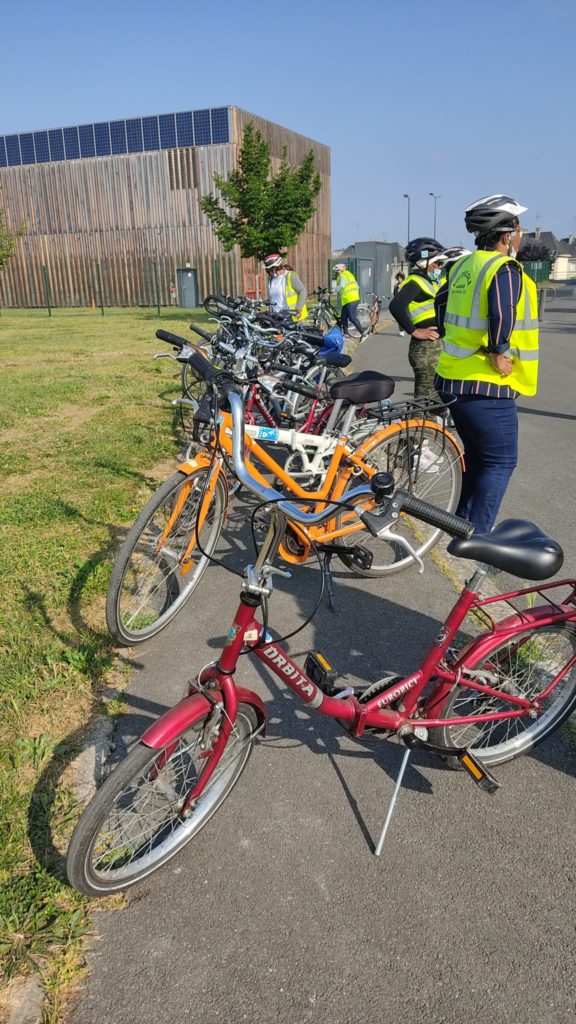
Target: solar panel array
x: 134, y: 135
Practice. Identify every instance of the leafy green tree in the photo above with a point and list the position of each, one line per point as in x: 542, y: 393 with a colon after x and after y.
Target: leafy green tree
x: 533, y: 251
x: 257, y: 210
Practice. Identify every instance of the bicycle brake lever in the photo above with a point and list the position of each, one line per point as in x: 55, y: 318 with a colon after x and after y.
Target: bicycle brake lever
x: 380, y: 527
x: 164, y: 355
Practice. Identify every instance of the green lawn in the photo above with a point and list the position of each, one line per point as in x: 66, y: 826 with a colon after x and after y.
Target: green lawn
x: 86, y: 426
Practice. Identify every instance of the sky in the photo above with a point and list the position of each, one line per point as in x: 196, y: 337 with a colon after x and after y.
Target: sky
x: 461, y: 99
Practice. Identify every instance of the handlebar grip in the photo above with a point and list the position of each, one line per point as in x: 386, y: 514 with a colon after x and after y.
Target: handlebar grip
x: 291, y: 371
x: 437, y: 517
x: 199, y: 330
x: 301, y: 389
x: 172, y: 339
x: 203, y: 367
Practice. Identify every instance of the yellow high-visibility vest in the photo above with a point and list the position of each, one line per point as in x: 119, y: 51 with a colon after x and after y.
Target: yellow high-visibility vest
x: 423, y: 309
x: 464, y: 355
x: 292, y: 298
x: 349, y: 291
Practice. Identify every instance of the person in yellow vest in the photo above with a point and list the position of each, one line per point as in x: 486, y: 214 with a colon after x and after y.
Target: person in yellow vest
x: 487, y: 315
x: 413, y: 309
x: 285, y: 289
x: 348, y: 294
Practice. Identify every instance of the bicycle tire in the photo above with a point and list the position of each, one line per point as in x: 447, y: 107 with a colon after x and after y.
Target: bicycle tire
x: 438, y: 483
x: 532, y: 661
x: 138, y: 800
x: 193, y: 387
x: 147, y: 586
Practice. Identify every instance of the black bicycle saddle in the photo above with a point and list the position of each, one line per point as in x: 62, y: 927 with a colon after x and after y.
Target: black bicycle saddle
x: 516, y: 546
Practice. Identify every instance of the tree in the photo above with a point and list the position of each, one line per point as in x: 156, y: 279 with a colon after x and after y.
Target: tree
x: 533, y: 251
x: 262, y: 212
x: 7, y: 240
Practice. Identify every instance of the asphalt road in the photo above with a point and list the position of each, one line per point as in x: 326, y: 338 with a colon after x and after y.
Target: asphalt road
x: 278, y: 911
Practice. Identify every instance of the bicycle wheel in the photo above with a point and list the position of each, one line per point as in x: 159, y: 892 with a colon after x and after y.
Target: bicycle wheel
x: 521, y: 666
x: 193, y: 387
x: 428, y: 464
x: 133, y: 824
x: 160, y: 564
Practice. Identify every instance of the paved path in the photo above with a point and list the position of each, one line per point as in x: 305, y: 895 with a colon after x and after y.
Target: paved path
x: 278, y: 912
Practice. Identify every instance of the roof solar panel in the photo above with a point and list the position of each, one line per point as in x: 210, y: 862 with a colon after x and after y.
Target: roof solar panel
x: 118, y: 136
x: 56, y: 140
x: 219, y: 119
x: 167, y: 124
x: 13, y: 150
x: 27, y: 148
x: 87, y: 143
x: 202, y: 133
x: 102, y: 139
x: 165, y: 131
x: 71, y: 143
x: 134, y: 135
x: 150, y: 133
x: 184, y: 129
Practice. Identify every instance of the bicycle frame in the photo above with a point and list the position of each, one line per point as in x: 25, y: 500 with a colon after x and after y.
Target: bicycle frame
x: 412, y: 710
x: 345, y: 462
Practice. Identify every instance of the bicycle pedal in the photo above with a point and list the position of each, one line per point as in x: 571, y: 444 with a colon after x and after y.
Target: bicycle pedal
x: 361, y: 557
x: 478, y: 772
x: 320, y: 671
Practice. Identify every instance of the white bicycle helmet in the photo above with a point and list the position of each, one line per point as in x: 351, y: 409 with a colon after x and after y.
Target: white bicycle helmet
x: 272, y: 261
x: 339, y: 267
x: 493, y: 213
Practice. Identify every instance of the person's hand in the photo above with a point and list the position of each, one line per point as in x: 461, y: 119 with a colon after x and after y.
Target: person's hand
x: 426, y: 334
x: 501, y: 362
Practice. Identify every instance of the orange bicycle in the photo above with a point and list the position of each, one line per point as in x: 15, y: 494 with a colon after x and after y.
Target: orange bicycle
x: 168, y: 549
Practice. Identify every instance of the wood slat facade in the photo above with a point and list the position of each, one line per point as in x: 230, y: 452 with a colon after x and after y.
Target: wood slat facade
x: 118, y: 227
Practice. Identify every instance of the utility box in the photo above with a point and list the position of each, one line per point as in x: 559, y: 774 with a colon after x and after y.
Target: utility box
x: 187, y: 280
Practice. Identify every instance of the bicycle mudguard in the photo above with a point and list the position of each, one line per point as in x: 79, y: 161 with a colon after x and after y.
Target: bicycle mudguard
x: 200, y: 461
x: 366, y: 446
x: 189, y: 710
x: 521, y: 622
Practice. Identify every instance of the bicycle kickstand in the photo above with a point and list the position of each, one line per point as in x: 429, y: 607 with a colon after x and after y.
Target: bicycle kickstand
x: 391, y: 805
x: 325, y: 560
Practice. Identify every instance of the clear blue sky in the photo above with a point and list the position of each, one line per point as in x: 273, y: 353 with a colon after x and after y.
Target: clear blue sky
x: 458, y: 98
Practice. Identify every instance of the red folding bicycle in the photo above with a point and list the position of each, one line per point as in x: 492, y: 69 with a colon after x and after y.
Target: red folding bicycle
x: 488, y: 702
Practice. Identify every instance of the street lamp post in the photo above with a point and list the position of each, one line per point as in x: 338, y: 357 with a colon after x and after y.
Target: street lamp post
x: 435, y: 198
x: 406, y: 196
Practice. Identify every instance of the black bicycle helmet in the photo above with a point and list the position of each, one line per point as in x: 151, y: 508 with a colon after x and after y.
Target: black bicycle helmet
x: 422, y: 251
x: 492, y: 214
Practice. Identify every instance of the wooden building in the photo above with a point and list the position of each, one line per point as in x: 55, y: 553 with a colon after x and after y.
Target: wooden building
x: 110, y: 211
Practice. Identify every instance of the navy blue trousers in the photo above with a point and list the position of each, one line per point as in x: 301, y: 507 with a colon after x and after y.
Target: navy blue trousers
x: 348, y: 314
x: 489, y: 431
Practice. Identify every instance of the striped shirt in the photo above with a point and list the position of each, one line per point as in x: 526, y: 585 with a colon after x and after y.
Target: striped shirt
x: 503, y: 295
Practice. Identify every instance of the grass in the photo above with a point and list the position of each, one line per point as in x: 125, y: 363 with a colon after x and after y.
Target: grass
x: 85, y: 415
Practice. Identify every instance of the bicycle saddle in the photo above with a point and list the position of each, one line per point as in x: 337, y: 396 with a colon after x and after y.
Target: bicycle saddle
x: 366, y: 386
x: 333, y: 359
x: 515, y: 545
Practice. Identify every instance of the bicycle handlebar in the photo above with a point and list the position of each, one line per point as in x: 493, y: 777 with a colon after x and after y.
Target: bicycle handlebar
x: 199, y: 330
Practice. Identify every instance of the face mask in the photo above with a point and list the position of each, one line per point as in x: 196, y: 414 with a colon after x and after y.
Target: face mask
x: 435, y: 274
x: 511, y: 250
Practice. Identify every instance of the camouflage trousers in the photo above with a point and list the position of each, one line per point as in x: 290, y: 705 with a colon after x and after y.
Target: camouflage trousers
x: 423, y: 356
